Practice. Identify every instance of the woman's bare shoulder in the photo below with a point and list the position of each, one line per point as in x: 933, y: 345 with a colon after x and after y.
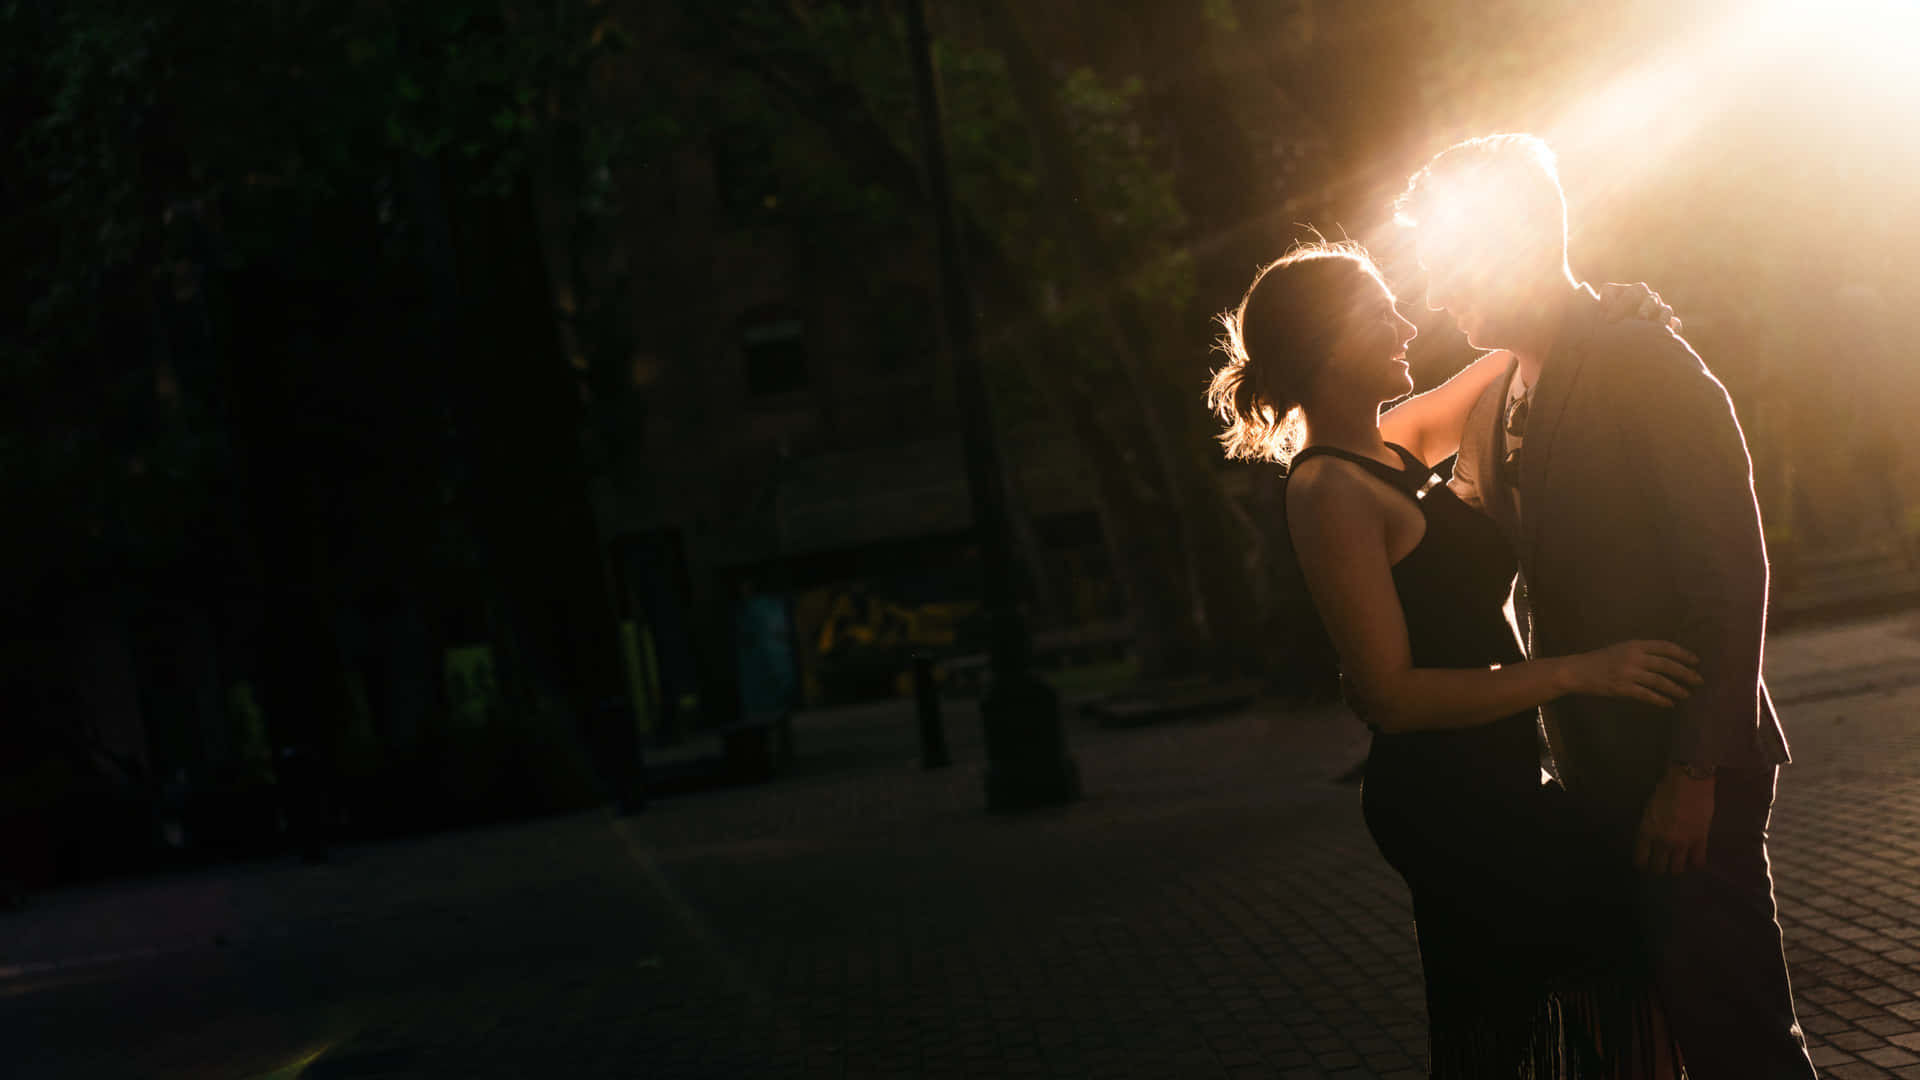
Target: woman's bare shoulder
x: 1330, y: 485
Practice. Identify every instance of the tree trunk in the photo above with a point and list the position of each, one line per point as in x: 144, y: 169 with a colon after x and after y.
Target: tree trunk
x: 1088, y: 249
x: 537, y: 512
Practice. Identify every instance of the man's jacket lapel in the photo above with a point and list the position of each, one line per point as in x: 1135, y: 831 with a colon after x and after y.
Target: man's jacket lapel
x: 1558, y: 377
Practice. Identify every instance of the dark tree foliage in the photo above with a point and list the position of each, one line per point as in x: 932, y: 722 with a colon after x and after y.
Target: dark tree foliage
x: 282, y: 336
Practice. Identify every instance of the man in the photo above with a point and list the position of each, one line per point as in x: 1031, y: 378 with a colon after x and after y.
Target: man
x: 1612, y: 458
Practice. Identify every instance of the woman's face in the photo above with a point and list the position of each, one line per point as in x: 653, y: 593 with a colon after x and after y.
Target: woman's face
x: 1371, y: 352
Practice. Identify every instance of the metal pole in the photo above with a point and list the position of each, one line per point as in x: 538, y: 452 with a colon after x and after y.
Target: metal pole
x: 926, y: 700
x: 1027, y: 761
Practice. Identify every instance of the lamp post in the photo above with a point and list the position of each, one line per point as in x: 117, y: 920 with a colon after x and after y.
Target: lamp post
x: 1027, y: 761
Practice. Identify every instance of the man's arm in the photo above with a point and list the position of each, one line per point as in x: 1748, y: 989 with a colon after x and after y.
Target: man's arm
x: 1693, y: 459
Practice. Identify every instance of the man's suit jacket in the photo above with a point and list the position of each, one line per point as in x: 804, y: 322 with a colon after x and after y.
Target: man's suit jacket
x: 1636, y: 519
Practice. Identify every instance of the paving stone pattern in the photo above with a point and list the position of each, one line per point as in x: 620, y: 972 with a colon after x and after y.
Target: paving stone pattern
x: 1212, y: 908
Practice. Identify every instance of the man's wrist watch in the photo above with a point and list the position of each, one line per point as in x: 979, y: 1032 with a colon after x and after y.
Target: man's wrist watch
x: 1693, y: 771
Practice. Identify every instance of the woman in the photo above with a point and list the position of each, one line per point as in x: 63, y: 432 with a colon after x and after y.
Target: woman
x: 1531, y: 954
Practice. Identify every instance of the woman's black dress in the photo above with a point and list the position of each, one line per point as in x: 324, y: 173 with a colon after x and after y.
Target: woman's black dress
x: 1533, y: 961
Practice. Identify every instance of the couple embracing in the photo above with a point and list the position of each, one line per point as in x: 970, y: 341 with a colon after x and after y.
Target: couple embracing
x: 1619, y: 922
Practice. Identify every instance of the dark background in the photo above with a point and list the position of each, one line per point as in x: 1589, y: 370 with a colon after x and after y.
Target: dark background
x: 405, y: 404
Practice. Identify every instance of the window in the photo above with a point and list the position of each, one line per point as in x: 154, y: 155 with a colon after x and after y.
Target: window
x: 776, y: 356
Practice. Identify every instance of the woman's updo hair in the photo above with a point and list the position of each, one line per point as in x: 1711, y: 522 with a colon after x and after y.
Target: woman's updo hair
x: 1276, y: 341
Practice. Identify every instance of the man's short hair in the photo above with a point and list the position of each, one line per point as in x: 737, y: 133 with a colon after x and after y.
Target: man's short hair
x: 1501, y: 184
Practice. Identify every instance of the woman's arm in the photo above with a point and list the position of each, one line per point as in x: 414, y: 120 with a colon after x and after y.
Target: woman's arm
x: 1430, y: 424
x: 1339, y: 531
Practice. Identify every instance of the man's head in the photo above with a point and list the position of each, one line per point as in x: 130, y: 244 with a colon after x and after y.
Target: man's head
x: 1491, y: 231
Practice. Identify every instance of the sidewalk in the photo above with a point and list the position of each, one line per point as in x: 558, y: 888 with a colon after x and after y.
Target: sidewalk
x: 1212, y: 908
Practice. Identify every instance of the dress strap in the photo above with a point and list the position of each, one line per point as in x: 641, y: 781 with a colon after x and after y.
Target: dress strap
x: 1407, y: 458
x: 1416, y: 467
x: 1416, y: 479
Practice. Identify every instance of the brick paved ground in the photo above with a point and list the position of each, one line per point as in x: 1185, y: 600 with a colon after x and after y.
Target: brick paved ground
x: 1212, y: 908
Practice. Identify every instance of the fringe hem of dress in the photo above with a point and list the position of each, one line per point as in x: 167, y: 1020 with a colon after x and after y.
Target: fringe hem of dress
x: 1588, y: 1033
